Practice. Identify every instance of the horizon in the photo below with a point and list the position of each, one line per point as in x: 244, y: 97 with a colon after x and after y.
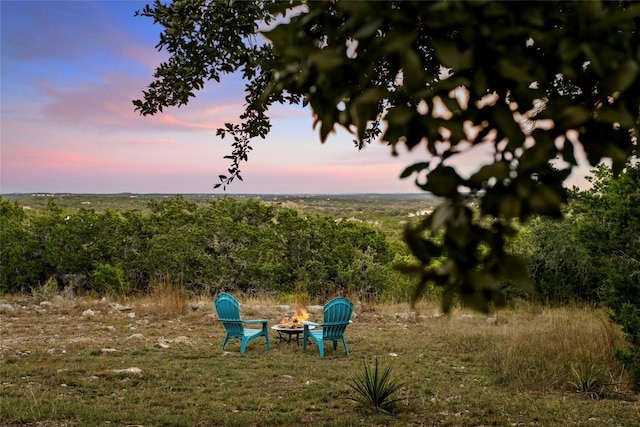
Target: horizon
x: 426, y: 195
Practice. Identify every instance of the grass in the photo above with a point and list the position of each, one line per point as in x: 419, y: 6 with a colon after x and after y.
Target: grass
x: 60, y: 366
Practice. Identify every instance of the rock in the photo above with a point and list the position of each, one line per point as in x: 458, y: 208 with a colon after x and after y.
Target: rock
x: 403, y: 315
x: 122, y: 307
x: 200, y: 305
x: 136, y: 337
x: 128, y: 371
x: 88, y: 313
x: 7, y: 307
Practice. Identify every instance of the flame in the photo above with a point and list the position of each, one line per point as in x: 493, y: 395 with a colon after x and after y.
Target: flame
x: 296, y: 319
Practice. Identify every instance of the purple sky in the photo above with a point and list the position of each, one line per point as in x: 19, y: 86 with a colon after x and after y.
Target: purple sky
x: 69, y: 70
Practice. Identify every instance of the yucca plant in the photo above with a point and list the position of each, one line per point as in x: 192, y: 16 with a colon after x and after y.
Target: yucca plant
x: 589, y: 380
x: 375, y: 387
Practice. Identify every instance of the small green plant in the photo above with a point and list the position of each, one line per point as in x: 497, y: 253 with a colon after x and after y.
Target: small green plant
x: 375, y: 387
x: 46, y: 291
x: 589, y: 380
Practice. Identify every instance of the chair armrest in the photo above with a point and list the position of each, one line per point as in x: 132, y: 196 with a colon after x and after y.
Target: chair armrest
x: 309, y: 325
x: 255, y: 321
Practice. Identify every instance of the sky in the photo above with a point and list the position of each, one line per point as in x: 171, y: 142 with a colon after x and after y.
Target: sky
x: 69, y: 71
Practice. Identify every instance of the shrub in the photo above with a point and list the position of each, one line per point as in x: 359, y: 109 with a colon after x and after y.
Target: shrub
x: 375, y: 387
x: 108, y: 279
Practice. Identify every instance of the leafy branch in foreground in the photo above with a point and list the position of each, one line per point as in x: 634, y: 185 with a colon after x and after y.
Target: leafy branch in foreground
x: 375, y: 387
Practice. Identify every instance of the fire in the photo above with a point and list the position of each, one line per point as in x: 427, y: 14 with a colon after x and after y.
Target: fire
x: 296, y: 319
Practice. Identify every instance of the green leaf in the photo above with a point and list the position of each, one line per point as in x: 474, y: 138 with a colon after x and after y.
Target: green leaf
x: 618, y: 158
x: 327, y: 60
x: 412, y: 70
x: 546, y: 201
x: 443, y: 181
x: 510, y: 206
x: 567, y: 153
x: 419, y: 291
x: 400, y: 116
x: 506, y: 123
x: 476, y: 301
x: 509, y: 70
x: 451, y: 57
x: 327, y: 122
x: 414, y: 168
x: 364, y: 108
x: 573, y: 116
x: 484, y: 280
x: 440, y: 216
x: 498, y: 170
x: 423, y: 249
x: 369, y: 29
x: 624, y: 77
x: 537, y: 155
x: 410, y: 270
x: 617, y: 114
x: 515, y: 269
x: 568, y: 49
x: 448, y: 300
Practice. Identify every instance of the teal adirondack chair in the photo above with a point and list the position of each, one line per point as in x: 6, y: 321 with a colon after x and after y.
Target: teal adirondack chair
x: 229, y: 314
x: 336, y: 318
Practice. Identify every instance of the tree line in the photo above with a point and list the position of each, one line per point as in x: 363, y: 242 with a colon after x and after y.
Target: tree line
x: 226, y: 245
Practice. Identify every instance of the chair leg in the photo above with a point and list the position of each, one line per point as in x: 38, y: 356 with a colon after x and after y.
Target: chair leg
x: 224, y: 342
x: 346, y: 347
x: 243, y: 345
x: 321, y: 348
x: 265, y: 331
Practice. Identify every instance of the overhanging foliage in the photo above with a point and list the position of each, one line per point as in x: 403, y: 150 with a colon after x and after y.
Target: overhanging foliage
x: 531, y: 82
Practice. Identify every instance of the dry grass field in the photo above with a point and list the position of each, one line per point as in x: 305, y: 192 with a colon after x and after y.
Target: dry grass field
x: 76, y: 361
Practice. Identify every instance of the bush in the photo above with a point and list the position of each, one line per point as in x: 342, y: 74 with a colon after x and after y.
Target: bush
x: 108, y: 279
x: 247, y: 247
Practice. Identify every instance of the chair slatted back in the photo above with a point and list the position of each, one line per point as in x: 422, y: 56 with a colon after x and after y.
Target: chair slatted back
x: 229, y: 314
x: 337, y: 314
